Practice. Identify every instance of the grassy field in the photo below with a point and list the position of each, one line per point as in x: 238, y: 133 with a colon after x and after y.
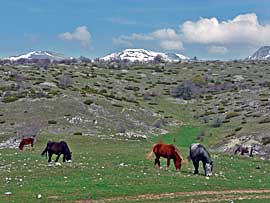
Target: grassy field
x: 105, y: 168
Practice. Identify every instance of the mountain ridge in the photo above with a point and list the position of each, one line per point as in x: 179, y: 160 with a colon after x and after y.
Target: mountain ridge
x: 143, y: 55
x: 263, y: 53
x: 54, y: 56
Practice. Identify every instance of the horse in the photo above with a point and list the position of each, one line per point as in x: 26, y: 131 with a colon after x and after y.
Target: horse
x: 244, y: 150
x: 26, y: 141
x: 167, y: 151
x: 197, y: 153
x: 57, y: 148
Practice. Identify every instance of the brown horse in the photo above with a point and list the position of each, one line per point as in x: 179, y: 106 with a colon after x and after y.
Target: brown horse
x: 167, y: 151
x: 26, y: 141
x: 244, y: 150
x: 57, y: 148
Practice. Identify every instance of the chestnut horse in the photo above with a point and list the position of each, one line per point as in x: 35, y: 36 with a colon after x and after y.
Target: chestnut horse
x: 26, y: 141
x: 167, y: 151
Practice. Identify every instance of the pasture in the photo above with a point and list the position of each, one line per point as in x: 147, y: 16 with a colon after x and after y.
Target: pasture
x: 116, y: 170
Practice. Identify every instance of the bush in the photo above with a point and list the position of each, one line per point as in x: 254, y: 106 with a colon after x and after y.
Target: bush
x: 52, y: 122
x: 217, y: 122
x: 10, y: 98
x: 265, y: 140
x: 231, y: 115
x: 265, y: 120
x: 88, y: 102
x: 187, y: 90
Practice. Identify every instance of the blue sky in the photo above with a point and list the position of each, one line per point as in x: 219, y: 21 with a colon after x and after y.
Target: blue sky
x: 208, y: 29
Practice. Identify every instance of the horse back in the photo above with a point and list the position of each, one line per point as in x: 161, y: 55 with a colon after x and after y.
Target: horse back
x: 164, y: 150
x: 199, y: 152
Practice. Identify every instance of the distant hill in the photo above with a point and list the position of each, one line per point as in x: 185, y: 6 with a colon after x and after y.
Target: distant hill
x: 262, y: 53
x: 142, y: 55
x: 53, y: 56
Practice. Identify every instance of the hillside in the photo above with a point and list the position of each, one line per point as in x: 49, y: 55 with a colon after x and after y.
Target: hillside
x: 224, y: 98
x: 112, y: 115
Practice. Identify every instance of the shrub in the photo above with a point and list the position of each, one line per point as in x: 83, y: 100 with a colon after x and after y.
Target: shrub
x: 265, y: 120
x: 265, y: 140
x: 217, y: 122
x: 10, y: 98
x: 52, y: 122
x: 231, y: 115
x: 88, y: 102
x: 187, y: 90
x: 77, y: 133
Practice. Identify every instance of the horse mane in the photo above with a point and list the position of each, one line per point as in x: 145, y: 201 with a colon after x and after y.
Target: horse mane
x: 178, y: 152
x: 67, y: 150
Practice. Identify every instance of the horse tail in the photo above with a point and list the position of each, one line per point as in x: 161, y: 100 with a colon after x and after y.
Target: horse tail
x: 186, y: 160
x: 45, y: 150
x: 150, y: 153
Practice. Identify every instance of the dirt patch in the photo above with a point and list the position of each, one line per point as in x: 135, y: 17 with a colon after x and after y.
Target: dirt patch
x: 197, y: 196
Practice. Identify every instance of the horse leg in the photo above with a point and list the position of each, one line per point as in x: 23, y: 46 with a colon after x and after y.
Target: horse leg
x: 204, y: 168
x: 196, y: 166
x: 157, y: 161
x: 168, y: 163
x: 50, y: 157
x: 57, y: 157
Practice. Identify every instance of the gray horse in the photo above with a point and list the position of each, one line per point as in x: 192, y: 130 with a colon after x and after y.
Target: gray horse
x: 197, y: 153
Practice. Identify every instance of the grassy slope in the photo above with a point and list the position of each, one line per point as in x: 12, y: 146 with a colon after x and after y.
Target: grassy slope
x: 97, y: 173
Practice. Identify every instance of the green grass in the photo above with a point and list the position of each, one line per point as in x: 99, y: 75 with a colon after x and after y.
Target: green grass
x: 104, y: 168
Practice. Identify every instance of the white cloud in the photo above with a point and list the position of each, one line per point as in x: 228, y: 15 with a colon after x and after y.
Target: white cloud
x: 217, y: 49
x: 171, y: 45
x: 122, y: 42
x: 243, y: 29
x: 241, y: 32
x: 80, y: 34
x: 167, y: 39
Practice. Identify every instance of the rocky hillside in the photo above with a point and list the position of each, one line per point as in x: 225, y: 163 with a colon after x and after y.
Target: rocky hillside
x: 228, y: 101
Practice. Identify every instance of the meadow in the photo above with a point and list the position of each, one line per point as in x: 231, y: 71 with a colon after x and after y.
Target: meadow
x: 116, y: 170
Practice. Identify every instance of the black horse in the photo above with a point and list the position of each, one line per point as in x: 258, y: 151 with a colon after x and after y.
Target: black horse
x: 197, y: 153
x: 57, y: 148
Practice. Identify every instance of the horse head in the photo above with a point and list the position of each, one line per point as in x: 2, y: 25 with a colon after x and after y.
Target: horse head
x: 69, y: 157
x: 178, y: 160
x: 209, y: 169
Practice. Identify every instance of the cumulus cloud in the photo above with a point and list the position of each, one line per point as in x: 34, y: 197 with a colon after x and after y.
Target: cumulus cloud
x: 122, y: 42
x: 171, y: 45
x: 243, y: 29
x: 80, y: 34
x: 217, y: 49
x: 167, y: 39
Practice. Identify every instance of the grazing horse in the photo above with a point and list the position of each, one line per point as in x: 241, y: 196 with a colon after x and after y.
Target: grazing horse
x: 57, y: 148
x: 167, y: 151
x: 26, y: 141
x: 197, y: 153
x: 244, y: 150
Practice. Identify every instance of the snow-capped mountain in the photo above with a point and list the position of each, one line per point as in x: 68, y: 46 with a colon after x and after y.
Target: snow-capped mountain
x: 38, y: 55
x: 143, y: 55
x: 262, y: 53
